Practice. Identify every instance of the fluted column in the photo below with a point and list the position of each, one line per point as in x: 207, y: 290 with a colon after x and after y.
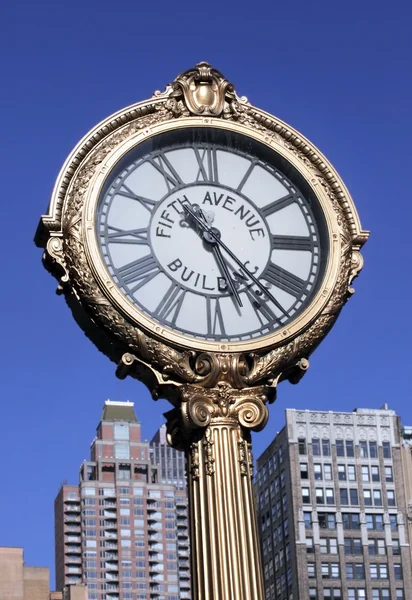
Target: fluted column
x: 214, y: 427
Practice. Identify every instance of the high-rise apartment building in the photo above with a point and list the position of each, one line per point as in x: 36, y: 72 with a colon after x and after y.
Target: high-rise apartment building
x: 172, y: 470
x: 332, y: 508
x: 117, y: 530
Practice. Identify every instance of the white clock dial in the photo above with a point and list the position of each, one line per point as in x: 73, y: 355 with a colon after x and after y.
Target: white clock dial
x: 212, y: 234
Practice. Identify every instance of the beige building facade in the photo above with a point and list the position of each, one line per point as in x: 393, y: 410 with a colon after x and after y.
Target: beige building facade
x: 21, y: 582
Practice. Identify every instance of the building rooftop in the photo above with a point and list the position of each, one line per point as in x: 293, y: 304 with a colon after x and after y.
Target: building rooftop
x: 119, y: 411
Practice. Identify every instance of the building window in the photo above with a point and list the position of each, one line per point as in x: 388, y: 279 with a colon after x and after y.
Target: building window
x: 355, y: 570
x: 332, y: 593
x: 305, y: 495
x: 326, y: 447
x: 313, y: 594
x: 367, y: 497
x: 363, y: 449
x: 341, y: 472
x: 308, y: 520
x: 330, y: 496
x: 391, y: 497
x: 328, y: 545
x: 122, y: 451
x: 388, y: 474
x: 311, y: 570
x: 351, y: 520
x: 396, y: 550
x: 302, y: 446
x: 327, y: 520
x: 398, y: 572
x: 386, y: 450
x: 316, y: 446
x: 356, y: 594
x: 377, y: 498
x: 330, y: 571
x: 377, y: 547
x: 373, y: 450
x: 320, y: 498
x: 379, y: 571
x: 399, y: 594
x: 317, y: 469
x: 374, y: 522
x: 365, y: 473
x: 344, y: 499
x: 304, y: 471
x: 393, y: 521
x: 353, y: 546
x: 354, y: 500
x: 375, y: 474
x: 351, y: 472
x: 350, y: 450
x: 327, y: 472
x: 340, y: 450
x: 309, y: 545
x: 381, y: 594
x: 121, y: 431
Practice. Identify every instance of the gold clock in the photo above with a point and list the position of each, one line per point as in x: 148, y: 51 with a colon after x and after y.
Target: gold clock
x: 197, y: 222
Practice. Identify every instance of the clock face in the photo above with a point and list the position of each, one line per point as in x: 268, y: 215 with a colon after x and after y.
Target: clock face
x: 212, y: 234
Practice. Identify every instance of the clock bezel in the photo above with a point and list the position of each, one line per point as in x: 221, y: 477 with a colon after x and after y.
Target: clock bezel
x: 165, y: 334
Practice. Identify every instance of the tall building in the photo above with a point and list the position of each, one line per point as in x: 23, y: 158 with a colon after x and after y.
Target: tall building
x: 117, y: 530
x: 406, y: 454
x: 332, y: 508
x: 172, y: 470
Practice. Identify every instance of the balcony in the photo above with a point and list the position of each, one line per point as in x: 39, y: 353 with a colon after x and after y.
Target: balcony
x: 111, y: 566
x: 155, y: 547
x: 72, y: 560
x: 110, y: 545
x: 71, y: 518
x: 73, y: 539
x: 111, y: 577
x: 72, y: 549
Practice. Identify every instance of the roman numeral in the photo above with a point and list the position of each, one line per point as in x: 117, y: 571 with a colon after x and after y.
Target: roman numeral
x: 139, y: 271
x: 284, y: 280
x: 164, y: 166
x: 273, y: 207
x: 122, y: 236
x: 246, y: 176
x: 261, y: 307
x: 292, y: 242
x: 128, y: 193
x: 207, y: 161
x: 171, y: 304
x: 215, y: 322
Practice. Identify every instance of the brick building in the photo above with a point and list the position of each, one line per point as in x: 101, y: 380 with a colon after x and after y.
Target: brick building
x: 332, y: 508
x: 171, y: 469
x: 117, y: 530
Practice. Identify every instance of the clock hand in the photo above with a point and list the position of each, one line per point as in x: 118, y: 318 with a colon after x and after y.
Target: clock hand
x: 222, y: 263
x: 210, y: 233
x: 217, y: 254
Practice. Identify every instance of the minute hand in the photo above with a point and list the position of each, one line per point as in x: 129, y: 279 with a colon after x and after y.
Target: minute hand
x: 210, y: 231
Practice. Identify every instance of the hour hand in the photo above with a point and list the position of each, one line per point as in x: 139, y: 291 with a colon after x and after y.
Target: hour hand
x: 211, y: 236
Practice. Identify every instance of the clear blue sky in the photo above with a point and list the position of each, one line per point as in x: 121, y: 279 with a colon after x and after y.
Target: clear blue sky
x: 340, y: 72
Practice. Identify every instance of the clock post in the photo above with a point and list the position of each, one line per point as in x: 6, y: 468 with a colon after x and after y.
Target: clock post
x: 207, y: 248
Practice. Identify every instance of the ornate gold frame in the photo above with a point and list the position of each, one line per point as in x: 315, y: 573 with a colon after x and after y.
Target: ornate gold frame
x: 199, y: 97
